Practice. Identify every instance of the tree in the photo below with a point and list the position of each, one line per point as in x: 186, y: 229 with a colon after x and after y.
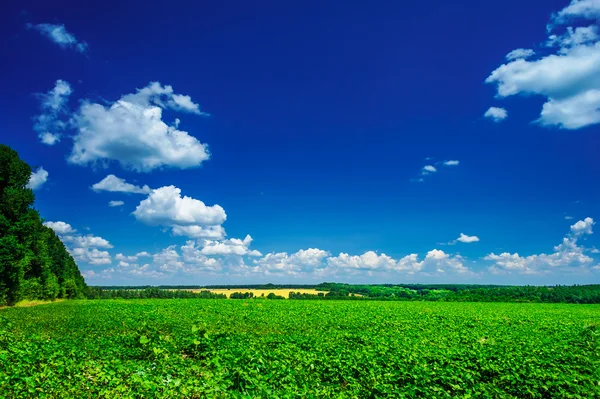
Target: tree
x: 34, y: 263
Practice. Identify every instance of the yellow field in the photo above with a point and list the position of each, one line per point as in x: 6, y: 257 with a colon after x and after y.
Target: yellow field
x: 285, y: 292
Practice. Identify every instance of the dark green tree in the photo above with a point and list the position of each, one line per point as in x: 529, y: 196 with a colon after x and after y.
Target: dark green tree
x: 34, y: 263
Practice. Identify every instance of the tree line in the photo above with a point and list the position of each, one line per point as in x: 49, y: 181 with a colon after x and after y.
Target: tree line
x: 150, y: 292
x: 585, y: 294
x: 34, y: 263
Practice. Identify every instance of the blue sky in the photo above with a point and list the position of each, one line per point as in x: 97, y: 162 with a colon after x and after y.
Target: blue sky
x: 354, y: 142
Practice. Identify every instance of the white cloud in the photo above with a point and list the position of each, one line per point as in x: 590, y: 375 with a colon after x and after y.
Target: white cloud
x: 574, y: 112
x: 124, y: 258
x: 115, y: 184
x: 430, y: 169
x: 132, y: 132
x: 83, y: 248
x: 567, y: 255
x: 87, y: 241
x: 61, y: 228
x: 196, y: 261
x: 304, y: 262
x: 569, y: 78
x: 187, y: 216
x: 437, y: 262
x: 367, y: 261
x: 116, y: 203
x: 467, y: 239
x: 59, y: 35
x: 496, y: 114
x: 91, y: 256
x: 143, y: 253
x: 232, y: 246
x: 574, y: 37
x: 583, y: 227
x: 128, y: 259
x: 92, y: 275
x: 569, y: 217
x: 595, y: 251
x: 451, y: 163
x: 37, y: 179
x: 199, y: 232
x: 168, y: 260
x: 53, y: 105
x: 588, y: 9
x: 519, y: 53
x: 427, y: 169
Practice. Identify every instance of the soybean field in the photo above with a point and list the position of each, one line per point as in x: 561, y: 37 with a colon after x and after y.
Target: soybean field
x: 203, y: 348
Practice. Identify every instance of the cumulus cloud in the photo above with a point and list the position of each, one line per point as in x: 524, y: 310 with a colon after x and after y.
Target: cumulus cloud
x: 232, y: 246
x: 304, y: 262
x: 567, y: 255
x: 37, y: 179
x: 519, y: 53
x: 185, y: 215
x: 234, y: 258
x: 588, y: 9
x: 427, y: 169
x: 87, y: 241
x: 59, y: 35
x: 367, y: 261
x: 583, y: 227
x: 115, y: 184
x: 168, y: 260
x: 467, y: 239
x: 83, y: 248
x: 496, y: 114
x: 123, y: 258
x: 93, y: 275
x: 573, y: 37
x: 91, y: 256
x: 199, y: 232
x: 131, y: 131
x: 568, y: 78
x: 48, y: 123
x: 437, y: 262
x: 60, y: 228
x: 116, y: 203
x: 451, y: 163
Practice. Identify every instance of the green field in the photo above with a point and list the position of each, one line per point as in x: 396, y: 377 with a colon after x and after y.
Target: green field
x: 299, y: 349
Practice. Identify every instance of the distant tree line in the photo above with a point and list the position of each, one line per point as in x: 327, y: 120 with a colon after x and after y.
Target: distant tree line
x: 469, y: 293
x: 583, y: 294
x: 34, y: 263
x: 149, y: 292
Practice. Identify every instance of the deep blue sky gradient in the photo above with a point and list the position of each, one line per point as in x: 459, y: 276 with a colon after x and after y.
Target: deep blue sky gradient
x: 321, y: 113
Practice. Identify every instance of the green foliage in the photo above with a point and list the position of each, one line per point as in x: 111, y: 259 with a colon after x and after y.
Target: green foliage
x: 299, y: 349
x: 34, y: 263
x: 240, y: 295
x: 101, y: 293
x: 463, y: 293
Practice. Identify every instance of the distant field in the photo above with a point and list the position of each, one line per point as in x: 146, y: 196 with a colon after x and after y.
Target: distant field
x: 195, y: 348
x: 285, y: 292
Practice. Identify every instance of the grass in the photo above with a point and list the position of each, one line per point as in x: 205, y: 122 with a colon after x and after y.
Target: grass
x: 27, y: 303
x: 195, y: 348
